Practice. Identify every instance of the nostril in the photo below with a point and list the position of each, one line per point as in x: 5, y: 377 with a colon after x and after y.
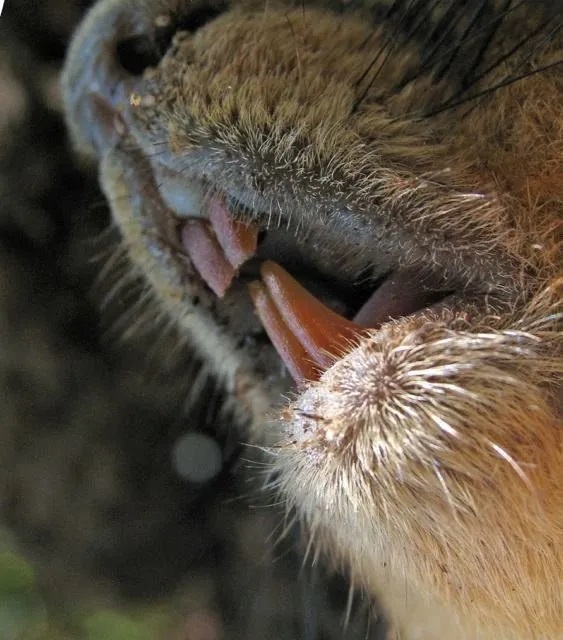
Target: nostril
x: 137, y: 53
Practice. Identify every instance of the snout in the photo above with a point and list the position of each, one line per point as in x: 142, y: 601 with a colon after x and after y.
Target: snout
x: 107, y: 58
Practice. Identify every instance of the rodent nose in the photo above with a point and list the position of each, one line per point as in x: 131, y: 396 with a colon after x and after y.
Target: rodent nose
x: 93, y: 79
x: 112, y: 48
x: 143, y: 50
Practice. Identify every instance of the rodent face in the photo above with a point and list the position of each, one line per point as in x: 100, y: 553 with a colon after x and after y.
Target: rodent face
x: 425, y: 455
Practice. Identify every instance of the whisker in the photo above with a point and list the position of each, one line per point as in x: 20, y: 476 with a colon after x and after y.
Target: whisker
x: 504, y: 83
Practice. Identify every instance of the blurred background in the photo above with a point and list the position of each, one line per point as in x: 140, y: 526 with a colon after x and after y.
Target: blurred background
x: 122, y: 517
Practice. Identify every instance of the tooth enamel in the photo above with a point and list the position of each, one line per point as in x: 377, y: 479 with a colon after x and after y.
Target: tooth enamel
x: 183, y: 197
x: 322, y: 332
x: 399, y: 295
x: 207, y: 256
x: 238, y: 240
x: 305, y: 333
x: 290, y: 350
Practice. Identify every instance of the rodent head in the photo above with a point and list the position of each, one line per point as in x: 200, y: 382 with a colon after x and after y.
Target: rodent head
x: 432, y: 438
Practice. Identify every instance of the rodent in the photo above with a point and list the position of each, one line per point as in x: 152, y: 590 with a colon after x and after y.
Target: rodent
x: 413, y: 148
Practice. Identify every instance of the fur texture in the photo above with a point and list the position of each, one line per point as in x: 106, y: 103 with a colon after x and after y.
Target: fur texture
x: 426, y: 460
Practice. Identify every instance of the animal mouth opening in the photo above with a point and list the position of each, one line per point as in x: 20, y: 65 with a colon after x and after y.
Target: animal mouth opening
x: 312, y: 304
x: 310, y: 312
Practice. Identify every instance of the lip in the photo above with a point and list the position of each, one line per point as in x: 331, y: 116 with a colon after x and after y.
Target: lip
x: 158, y: 177
x: 169, y: 226
x: 339, y: 220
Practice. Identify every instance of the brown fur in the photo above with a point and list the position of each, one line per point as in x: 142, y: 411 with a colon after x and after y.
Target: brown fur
x: 426, y: 460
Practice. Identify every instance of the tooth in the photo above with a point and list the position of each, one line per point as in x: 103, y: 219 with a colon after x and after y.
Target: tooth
x: 321, y: 332
x: 207, y: 256
x: 400, y: 295
x: 294, y: 356
x: 238, y: 240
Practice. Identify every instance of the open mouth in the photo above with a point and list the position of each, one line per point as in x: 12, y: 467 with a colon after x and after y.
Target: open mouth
x: 307, y: 333
x: 262, y: 241
x: 316, y: 280
x: 313, y: 301
x: 313, y: 255
x: 311, y: 314
x: 309, y: 285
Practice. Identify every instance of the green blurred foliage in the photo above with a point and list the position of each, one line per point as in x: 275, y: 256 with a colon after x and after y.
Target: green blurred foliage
x: 16, y: 574
x: 24, y: 615
x: 110, y: 625
x: 21, y: 607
